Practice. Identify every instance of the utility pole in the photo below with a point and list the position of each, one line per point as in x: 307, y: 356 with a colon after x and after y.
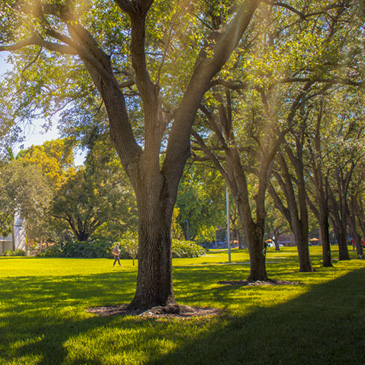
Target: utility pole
x: 228, y: 232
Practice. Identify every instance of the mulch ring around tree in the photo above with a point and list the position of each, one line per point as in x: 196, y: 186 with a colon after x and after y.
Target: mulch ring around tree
x: 258, y: 282
x: 168, y: 311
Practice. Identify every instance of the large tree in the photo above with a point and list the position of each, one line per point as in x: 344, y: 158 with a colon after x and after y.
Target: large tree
x: 73, y: 29
x: 23, y: 190
x: 97, y: 197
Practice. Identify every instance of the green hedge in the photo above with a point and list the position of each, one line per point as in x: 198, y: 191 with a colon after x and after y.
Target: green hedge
x: 103, y: 248
x: 186, y: 249
x: 90, y: 249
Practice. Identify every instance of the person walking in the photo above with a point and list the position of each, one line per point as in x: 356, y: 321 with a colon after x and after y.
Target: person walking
x: 116, y: 252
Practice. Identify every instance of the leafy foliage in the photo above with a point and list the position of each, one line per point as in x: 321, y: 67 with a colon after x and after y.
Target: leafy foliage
x: 98, y: 198
x: 90, y: 249
x: 186, y: 249
x: 17, y: 252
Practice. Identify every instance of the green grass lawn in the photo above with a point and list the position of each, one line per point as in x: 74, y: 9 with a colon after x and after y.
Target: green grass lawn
x: 43, y: 318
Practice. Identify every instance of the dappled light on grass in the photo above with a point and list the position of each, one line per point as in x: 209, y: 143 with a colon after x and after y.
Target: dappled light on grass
x: 44, y: 318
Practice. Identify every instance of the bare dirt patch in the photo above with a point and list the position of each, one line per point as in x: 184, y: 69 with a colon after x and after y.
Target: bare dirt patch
x: 258, y: 282
x: 168, y: 311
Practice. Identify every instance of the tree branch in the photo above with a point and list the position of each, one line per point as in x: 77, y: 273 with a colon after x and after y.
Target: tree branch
x: 286, y: 6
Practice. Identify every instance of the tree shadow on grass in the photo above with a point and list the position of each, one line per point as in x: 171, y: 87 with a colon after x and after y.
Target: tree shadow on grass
x: 39, y: 314
x: 323, y: 326
x: 45, y: 317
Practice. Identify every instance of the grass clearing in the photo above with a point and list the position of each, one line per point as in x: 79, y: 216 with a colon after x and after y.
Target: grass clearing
x: 43, y: 318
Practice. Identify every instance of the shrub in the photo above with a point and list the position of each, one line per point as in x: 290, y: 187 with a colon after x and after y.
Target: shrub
x: 52, y: 251
x: 73, y: 249
x: 99, y: 248
x: 96, y: 248
x: 186, y: 249
x: 17, y: 252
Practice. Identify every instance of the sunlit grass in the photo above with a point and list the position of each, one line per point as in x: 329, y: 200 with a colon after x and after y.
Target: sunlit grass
x: 43, y: 318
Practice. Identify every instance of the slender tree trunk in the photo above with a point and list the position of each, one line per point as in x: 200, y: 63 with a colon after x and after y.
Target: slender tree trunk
x: 325, y: 237
x: 296, y: 211
x: 339, y: 227
x: 254, y: 231
x: 323, y: 216
x: 276, y: 239
x: 352, y: 223
x: 355, y: 236
x: 321, y: 208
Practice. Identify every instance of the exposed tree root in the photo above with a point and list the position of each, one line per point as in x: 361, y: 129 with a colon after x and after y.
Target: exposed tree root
x: 258, y: 282
x: 168, y: 311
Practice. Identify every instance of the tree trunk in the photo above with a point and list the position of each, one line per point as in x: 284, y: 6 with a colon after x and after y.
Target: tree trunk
x: 240, y: 241
x: 339, y: 227
x: 301, y: 240
x: 296, y: 212
x: 343, y: 252
x: 154, y: 282
x: 325, y: 238
x: 323, y: 214
x: 254, y: 231
x: 256, y: 249
x: 352, y: 223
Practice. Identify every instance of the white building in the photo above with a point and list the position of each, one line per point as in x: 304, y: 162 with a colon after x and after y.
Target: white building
x: 6, y: 243
x: 19, y: 232
x: 15, y: 241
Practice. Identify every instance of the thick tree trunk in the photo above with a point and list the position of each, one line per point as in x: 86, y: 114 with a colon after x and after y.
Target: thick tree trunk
x: 301, y: 240
x: 340, y: 234
x: 154, y: 282
x: 256, y: 250
x: 343, y: 251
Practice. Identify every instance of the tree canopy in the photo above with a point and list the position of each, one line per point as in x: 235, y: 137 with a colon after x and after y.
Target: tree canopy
x: 244, y: 71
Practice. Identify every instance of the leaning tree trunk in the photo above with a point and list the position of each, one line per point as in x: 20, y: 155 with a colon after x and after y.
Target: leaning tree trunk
x: 296, y: 212
x: 254, y: 231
